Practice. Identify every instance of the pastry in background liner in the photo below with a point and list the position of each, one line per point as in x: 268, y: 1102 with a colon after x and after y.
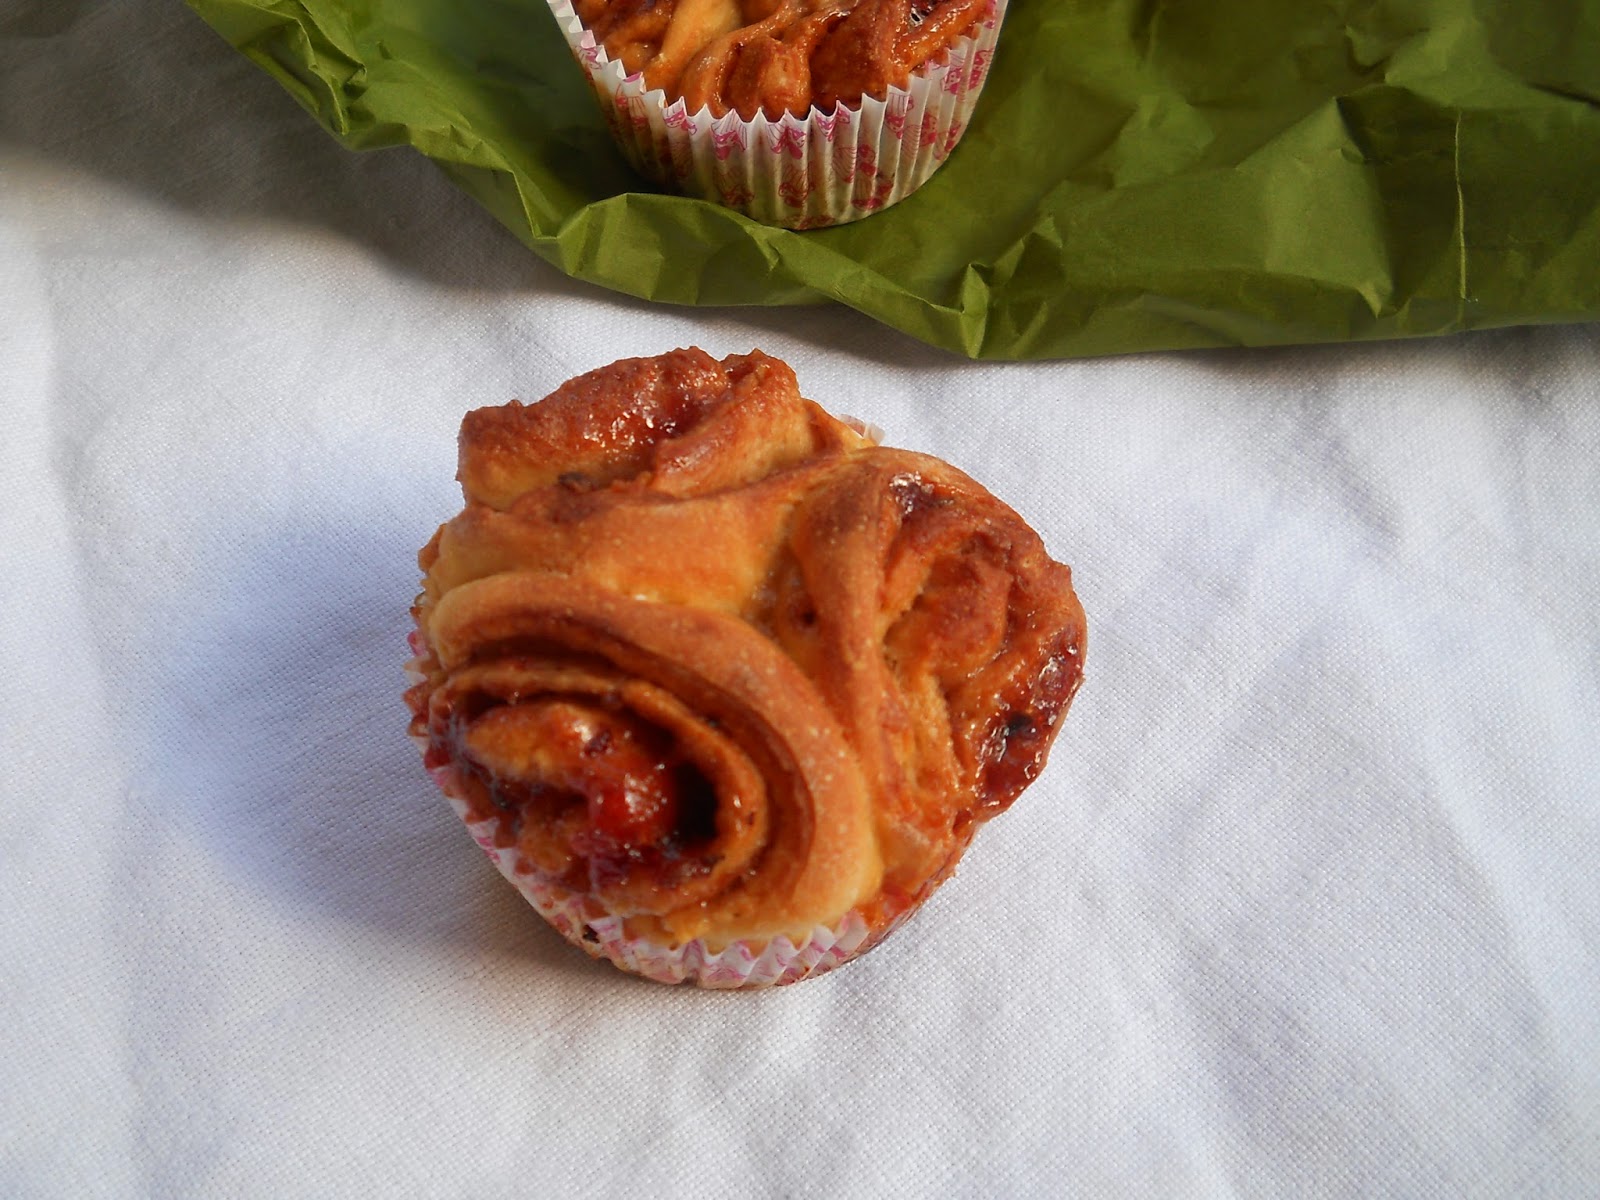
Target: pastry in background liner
x: 799, y: 172
x: 721, y: 685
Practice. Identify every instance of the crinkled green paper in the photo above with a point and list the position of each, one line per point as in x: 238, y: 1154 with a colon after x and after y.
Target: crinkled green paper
x: 1140, y: 174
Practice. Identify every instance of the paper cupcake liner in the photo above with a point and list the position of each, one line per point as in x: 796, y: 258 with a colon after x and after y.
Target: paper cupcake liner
x: 587, y: 924
x: 800, y: 172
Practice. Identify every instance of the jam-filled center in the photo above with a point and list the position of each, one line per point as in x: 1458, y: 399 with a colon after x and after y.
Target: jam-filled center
x: 616, y: 786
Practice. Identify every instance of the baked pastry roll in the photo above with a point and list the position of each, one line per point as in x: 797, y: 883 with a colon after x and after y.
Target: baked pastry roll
x: 776, y: 56
x: 799, y: 113
x: 721, y: 685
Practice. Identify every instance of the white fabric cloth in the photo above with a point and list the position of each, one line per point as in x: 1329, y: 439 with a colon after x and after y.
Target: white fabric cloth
x: 1307, y: 902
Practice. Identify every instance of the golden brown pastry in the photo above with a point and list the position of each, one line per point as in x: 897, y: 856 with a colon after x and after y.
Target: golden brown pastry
x: 776, y: 56
x: 723, y: 686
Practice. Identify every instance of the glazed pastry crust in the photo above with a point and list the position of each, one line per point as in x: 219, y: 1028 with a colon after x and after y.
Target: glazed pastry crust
x: 776, y: 56
x: 705, y: 653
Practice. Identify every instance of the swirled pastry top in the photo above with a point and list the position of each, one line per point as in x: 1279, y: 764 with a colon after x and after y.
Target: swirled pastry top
x: 776, y: 56
x: 709, y: 655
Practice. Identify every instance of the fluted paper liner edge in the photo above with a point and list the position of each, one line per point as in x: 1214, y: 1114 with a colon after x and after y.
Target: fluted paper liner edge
x: 799, y: 172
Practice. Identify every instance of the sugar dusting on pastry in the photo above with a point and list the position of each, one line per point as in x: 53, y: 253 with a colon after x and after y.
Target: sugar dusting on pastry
x: 717, y: 680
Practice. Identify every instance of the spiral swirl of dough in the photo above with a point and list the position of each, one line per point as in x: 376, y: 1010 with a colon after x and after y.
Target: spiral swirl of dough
x: 704, y: 653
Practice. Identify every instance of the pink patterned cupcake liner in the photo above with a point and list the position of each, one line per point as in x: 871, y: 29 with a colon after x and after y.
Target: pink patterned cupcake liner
x: 799, y: 172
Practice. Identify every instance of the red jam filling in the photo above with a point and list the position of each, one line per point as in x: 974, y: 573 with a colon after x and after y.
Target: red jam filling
x: 617, y: 790
x: 1021, y: 738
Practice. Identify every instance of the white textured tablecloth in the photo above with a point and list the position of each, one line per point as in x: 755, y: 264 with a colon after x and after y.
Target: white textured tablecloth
x: 1307, y: 903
